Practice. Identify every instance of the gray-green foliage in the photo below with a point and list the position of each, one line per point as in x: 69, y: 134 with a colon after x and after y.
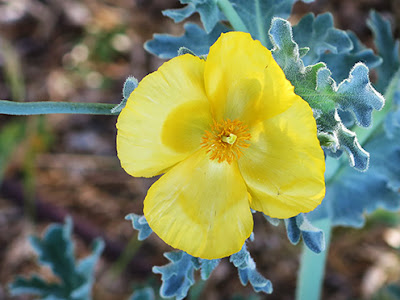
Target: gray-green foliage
x: 315, y: 84
x: 56, y: 250
x: 319, y: 35
x: 388, y: 49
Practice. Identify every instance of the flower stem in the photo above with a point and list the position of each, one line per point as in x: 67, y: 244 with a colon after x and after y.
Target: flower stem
x: 48, y: 107
x: 226, y: 7
x: 312, y: 267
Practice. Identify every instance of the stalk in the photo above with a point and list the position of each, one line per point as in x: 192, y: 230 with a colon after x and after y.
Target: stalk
x: 48, y: 107
x: 226, y: 7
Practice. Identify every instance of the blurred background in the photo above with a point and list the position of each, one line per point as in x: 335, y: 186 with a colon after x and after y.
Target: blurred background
x: 57, y: 165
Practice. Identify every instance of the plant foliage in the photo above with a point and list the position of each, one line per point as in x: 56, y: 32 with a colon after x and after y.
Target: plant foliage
x: 56, y: 250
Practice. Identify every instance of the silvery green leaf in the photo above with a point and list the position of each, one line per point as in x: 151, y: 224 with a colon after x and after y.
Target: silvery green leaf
x: 340, y: 64
x: 357, y: 95
x: 258, y: 14
x: 299, y: 226
x: 180, y: 14
x: 140, y: 224
x: 248, y: 273
x: 273, y: 221
x: 195, y: 38
x: 207, y: 9
x: 319, y: 34
x: 56, y: 250
x: 130, y: 85
x: 315, y: 85
x: 350, y: 194
x: 177, y: 276
x: 184, y: 50
x: 388, y: 49
x: 207, y: 266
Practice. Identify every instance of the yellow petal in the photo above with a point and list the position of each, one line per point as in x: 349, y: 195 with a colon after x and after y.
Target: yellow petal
x: 235, y: 63
x: 164, y: 117
x: 244, y: 82
x: 284, y: 165
x: 201, y: 207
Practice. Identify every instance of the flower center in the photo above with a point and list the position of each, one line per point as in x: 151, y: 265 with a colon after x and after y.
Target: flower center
x: 225, y: 140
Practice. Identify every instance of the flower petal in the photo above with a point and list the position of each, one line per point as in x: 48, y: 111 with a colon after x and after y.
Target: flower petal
x: 201, y: 207
x: 284, y: 165
x: 243, y: 81
x: 164, y: 118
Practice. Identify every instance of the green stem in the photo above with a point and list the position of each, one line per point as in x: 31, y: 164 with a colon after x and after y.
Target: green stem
x: 48, y: 107
x: 312, y: 267
x: 226, y: 7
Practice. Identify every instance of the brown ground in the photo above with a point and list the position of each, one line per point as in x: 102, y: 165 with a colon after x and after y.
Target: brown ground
x: 64, y: 51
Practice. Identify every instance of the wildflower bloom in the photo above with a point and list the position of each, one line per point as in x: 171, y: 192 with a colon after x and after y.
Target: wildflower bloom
x: 230, y: 134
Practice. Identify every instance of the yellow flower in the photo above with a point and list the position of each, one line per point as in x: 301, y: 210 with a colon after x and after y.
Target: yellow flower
x: 230, y: 134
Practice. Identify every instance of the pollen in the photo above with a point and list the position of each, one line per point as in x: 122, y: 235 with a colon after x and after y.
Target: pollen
x: 225, y: 140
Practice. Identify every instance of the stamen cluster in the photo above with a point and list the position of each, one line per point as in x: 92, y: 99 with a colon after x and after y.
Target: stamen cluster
x: 217, y: 140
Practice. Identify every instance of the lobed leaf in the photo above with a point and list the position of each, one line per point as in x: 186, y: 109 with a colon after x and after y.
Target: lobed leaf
x: 258, y: 14
x: 315, y: 85
x: 340, y: 64
x: 177, y: 276
x: 388, y: 49
x: 248, y: 273
x: 56, y: 250
x: 299, y: 226
x: 350, y: 195
x: 208, y: 10
x: 139, y: 223
x: 357, y: 95
x: 319, y: 35
x: 195, y: 38
x: 207, y: 266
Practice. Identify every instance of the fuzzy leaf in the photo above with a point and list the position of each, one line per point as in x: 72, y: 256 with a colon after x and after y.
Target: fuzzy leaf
x: 140, y: 224
x: 177, y: 276
x: 56, y: 250
x: 257, y: 15
x: 318, y: 34
x: 352, y: 194
x: 340, y: 64
x: 130, y: 84
x: 207, y: 9
x: 37, y: 286
x: 272, y: 221
x: 292, y: 230
x: 207, y: 266
x: 248, y: 273
x: 300, y: 226
x: 195, y: 38
x: 388, y: 49
x: 316, y: 86
x: 357, y: 95
x: 180, y: 14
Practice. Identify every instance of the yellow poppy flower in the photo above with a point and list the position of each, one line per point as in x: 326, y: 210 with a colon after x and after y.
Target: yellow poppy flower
x: 230, y: 134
